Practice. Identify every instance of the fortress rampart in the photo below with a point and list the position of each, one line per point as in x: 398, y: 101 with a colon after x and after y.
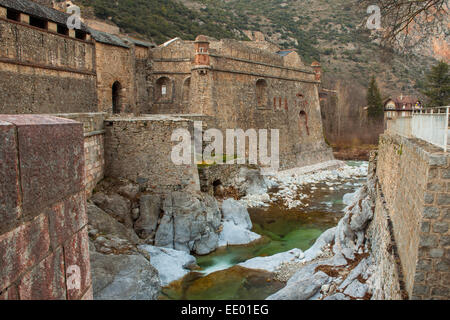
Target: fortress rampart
x: 409, y: 234
x: 42, y: 71
x: 43, y: 223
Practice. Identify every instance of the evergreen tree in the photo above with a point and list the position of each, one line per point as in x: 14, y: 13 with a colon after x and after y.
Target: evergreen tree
x: 437, y: 85
x: 374, y: 101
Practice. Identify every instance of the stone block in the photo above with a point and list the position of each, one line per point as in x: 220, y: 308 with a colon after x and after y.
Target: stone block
x: 9, y: 173
x: 443, y: 199
x: 51, y: 155
x: 421, y: 290
x: 431, y: 212
x: 66, y: 218
x: 45, y: 281
x: 10, y: 294
x: 24, y: 18
x: 89, y: 295
x: 436, y: 253
x: 428, y: 241
x: 440, y: 227
x: 428, y: 198
x: 76, y: 253
x: 3, y: 12
x: 22, y: 248
x: 437, y: 160
x: 51, y: 26
x: 445, y: 173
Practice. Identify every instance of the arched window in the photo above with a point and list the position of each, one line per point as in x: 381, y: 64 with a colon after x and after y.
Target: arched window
x: 261, y: 93
x: 163, y: 90
x: 116, y: 97
x: 186, y: 89
x: 303, y: 122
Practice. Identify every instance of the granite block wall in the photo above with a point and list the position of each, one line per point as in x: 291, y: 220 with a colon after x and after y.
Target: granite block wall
x: 43, y: 222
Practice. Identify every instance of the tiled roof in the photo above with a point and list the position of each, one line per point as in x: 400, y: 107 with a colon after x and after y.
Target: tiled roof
x: 40, y: 11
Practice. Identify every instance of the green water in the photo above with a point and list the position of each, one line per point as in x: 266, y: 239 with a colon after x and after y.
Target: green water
x: 281, y: 230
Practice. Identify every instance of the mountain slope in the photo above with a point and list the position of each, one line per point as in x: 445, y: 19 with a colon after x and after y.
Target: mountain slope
x: 324, y: 30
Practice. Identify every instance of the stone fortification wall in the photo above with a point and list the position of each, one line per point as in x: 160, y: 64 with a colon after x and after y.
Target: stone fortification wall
x: 94, y: 146
x: 413, y: 204
x: 43, y: 223
x: 139, y: 149
x: 44, y: 72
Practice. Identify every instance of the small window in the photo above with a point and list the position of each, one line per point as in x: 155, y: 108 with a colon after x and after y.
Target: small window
x: 38, y: 22
x: 62, y: 30
x: 261, y: 94
x: 163, y: 90
x: 13, y: 15
x: 80, y: 34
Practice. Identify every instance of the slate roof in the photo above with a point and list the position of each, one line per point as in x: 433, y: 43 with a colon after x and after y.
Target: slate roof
x: 284, y: 53
x: 40, y: 11
x: 107, y: 38
x: 140, y: 42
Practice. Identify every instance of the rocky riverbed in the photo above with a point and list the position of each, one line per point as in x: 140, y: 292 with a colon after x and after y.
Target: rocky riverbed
x: 183, y: 242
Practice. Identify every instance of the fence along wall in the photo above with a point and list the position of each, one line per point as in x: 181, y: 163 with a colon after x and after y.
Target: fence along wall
x: 414, y: 180
x: 43, y: 221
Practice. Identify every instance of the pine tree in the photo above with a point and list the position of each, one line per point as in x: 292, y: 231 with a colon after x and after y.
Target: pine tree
x: 374, y: 101
x: 437, y: 85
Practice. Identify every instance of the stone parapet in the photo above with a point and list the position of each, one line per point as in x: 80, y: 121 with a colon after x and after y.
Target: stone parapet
x: 43, y: 221
x: 414, y: 178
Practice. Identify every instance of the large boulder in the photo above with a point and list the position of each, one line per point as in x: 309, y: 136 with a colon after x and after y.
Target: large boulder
x: 236, y: 225
x: 272, y: 263
x: 103, y: 224
x: 171, y: 264
x: 150, y: 209
x: 233, y: 234
x: 233, y: 211
x: 116, y: 206
x: 123, y: 277
x: 190, y: 222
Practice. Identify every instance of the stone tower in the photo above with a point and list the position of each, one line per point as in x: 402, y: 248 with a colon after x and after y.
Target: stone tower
x: 201, y: 78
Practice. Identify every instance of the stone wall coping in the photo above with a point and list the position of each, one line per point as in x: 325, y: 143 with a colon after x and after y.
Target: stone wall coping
x: 262, y: 63
x: 157, y: 118
x: 431, y: 154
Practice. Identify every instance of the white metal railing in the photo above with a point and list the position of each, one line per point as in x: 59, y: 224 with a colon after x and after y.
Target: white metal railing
x: 430, y: 124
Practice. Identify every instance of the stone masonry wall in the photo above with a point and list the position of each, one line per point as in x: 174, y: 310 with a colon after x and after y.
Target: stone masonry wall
x: 139, y: 149
x: 43, y: 221
x: 44, y: 72
x: 115, y: 64
x: 414, y: 179
x: 94, y: 148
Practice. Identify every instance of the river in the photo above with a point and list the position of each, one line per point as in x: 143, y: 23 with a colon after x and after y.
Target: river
x: 219, y: 277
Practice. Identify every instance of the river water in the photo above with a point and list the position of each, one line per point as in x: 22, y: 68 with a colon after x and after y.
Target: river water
x: 219, y: 277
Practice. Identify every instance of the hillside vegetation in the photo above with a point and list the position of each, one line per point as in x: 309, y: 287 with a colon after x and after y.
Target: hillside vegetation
x: 324, y: 30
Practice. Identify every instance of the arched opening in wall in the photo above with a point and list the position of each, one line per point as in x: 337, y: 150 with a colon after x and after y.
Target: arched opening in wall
x: 303, y: 122
x: 261, y: 93
x: 218, y: 188
x: 186, y: 90
x: 116, y: 97
x: 163, y: 90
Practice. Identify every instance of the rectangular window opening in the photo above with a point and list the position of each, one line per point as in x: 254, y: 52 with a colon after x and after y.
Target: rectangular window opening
x: 38, y: 22
x: 13, y: 15
x: 63, y: 30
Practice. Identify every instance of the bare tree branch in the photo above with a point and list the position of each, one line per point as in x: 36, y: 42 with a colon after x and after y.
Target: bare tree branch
x: 419, y: 18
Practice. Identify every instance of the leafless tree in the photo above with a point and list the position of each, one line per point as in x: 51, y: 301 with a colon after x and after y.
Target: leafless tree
x: 402, y: 19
